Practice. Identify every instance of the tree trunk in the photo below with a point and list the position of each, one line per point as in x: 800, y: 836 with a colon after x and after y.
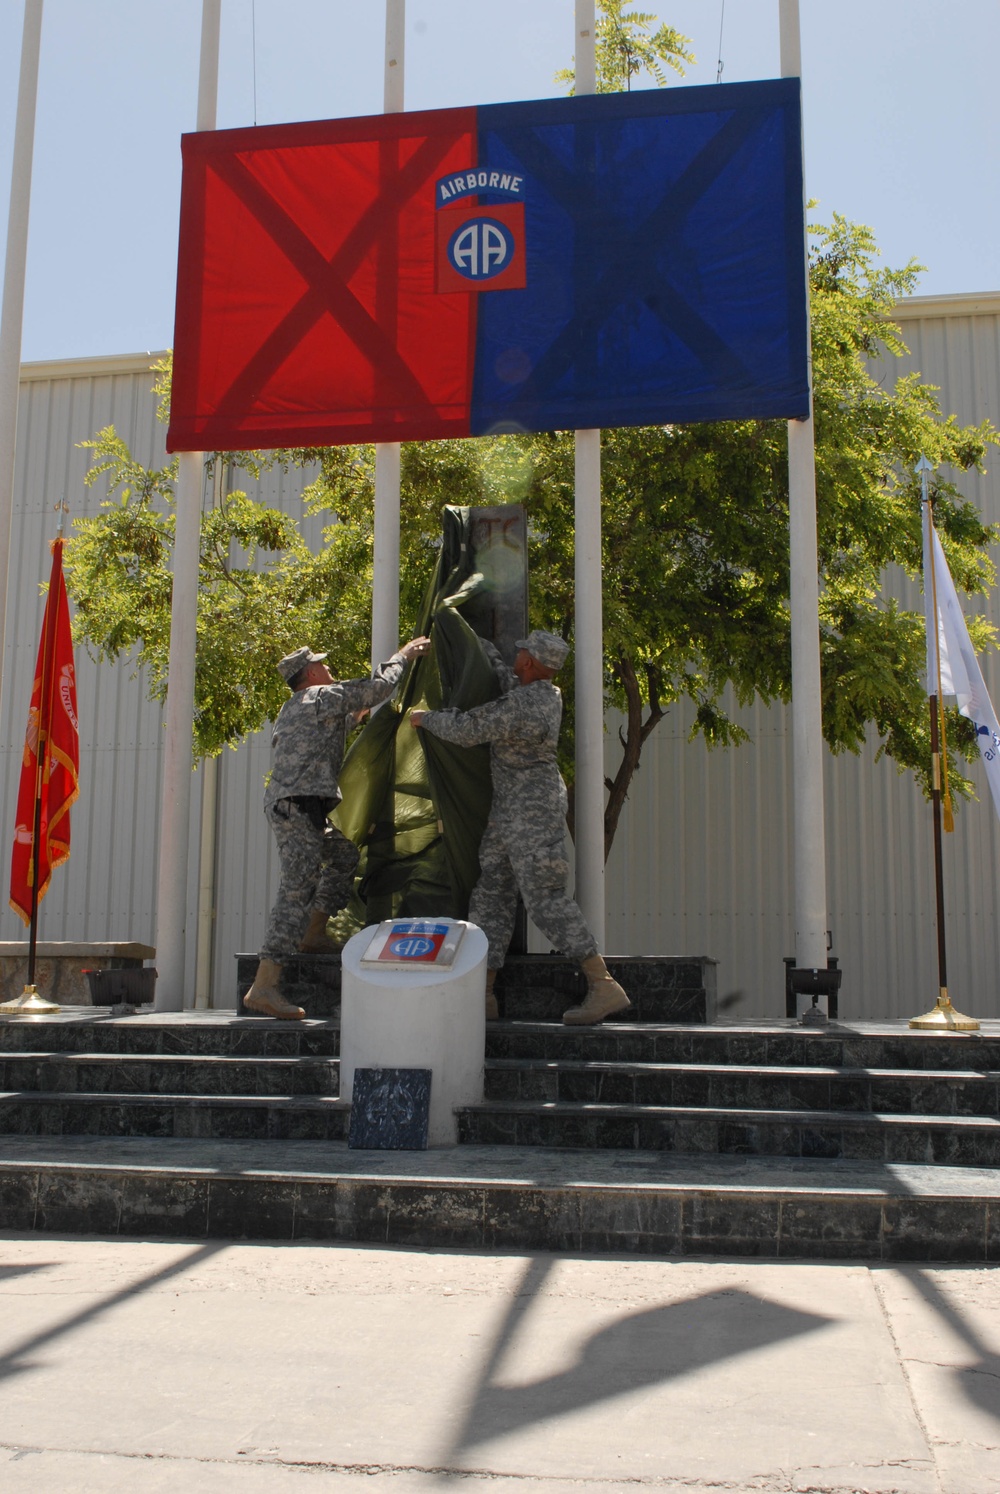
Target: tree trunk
x: 633, y: 740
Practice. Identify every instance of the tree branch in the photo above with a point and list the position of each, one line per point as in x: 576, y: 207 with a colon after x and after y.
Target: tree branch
x: 633, y: 738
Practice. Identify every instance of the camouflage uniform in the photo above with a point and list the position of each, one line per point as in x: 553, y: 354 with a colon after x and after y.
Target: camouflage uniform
x: 307, y: 749
x: 523, y: 846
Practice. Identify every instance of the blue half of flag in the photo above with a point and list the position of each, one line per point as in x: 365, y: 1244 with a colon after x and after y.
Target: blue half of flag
x: 666, y: 277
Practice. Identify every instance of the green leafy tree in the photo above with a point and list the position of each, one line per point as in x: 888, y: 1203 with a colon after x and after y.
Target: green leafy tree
x: 626, y: 46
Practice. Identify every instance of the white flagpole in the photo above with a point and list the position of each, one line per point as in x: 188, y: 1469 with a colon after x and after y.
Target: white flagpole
x: 175, y: 812
x: 385, y: 540
x: 589, y: 617
x: 12, y: 315
x: 807, y: 706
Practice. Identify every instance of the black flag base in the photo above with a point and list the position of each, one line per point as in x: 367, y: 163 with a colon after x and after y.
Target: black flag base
x: 30, y: 1004
x: 942, y: 1018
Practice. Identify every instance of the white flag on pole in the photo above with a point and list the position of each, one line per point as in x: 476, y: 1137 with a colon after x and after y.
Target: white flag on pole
x: 952, y: 658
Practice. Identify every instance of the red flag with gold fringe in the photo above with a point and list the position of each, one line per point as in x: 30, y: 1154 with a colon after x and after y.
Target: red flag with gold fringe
x: 50, y: 768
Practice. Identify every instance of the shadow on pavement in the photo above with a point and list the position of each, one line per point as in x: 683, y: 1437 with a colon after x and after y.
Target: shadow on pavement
x: 10, y: 1273
x: 15, y: 1360
x: 640, y: 1349
x: 980, y: 1382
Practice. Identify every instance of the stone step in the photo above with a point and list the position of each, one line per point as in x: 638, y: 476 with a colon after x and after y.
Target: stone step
x: 531, y: 987
x: 220, y: 1117
x: 919, y: 1091
x: 775, y: 1043
x: 499, y: 1198
x: 539, y: 988
x: 956, y: 1140
x: 686, y: 1085
x: 94, y: 1030
x: 168, y: 1074
x: 766, y: 1043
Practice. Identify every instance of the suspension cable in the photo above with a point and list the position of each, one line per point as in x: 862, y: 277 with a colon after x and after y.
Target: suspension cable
x: 722, y: 22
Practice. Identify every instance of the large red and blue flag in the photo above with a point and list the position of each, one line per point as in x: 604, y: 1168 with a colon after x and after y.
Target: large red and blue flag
x: 622, y: 259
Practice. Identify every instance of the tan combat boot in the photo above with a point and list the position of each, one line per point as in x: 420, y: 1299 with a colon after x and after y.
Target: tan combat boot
x: 604, y: 998
x: 264, y: 996
x: 316, y: 940
x: 492, y: 1010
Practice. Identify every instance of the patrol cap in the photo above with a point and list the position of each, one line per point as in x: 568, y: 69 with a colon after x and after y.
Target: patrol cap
x: 292, y: 663
x: 548, y: 648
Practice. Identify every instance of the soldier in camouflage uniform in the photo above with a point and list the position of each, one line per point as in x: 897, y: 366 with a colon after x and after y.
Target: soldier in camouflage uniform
x: 523, y: 846
x: 317, y: 861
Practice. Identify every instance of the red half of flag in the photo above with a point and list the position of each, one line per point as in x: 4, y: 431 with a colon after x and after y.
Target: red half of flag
x: 50, y: 767
x: 307, y: 312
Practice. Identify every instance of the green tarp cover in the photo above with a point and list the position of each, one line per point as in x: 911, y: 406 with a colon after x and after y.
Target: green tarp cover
x: 415, y: 806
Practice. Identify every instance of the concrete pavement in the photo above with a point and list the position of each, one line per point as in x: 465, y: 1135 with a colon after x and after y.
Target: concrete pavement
x: 210, y: 1366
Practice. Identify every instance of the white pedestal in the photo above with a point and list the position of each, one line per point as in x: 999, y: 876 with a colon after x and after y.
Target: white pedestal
x: 418, y: 1019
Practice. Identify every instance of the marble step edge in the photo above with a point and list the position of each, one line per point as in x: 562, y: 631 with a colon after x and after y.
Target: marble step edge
x: 782, y: 1071
x: 148, y: 1036
x: 566, y: 1109
x: 325, y: 1072
x: 114, y: 1039
x: 174, y: 1077
x: 716, y: 1032
x: 422, y: 1210
x: 753, y: 1028
x: 218, y: 1060
x: 574, y: 1066
x: 62, y: 1097
x: 219, y: 1019
x: 560, y: 1110
x: 767, y: 1030
x: 636, y: 1170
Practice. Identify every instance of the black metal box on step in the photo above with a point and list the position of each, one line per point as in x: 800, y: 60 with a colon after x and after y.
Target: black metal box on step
x: 827, y: 983
x: 121, y: 987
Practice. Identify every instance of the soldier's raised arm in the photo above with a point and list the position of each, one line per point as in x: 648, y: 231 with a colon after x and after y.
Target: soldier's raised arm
x: 362, y: 694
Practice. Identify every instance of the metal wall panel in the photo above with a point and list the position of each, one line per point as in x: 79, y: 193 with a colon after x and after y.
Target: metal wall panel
x: 247, y: 869
x: 107, y: 890
x: 702, y: 864
x: 702, y: 860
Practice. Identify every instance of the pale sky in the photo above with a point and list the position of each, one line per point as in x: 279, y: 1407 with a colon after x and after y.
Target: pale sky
x: 902, y: 122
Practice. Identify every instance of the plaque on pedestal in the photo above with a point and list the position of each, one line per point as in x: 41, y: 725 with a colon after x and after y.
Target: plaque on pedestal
x: 412, y: 943
x: 390, y: 1110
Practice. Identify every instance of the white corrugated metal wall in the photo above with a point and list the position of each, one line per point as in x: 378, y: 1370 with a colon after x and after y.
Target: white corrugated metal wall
x: 108, y: 889
x: 702, y: 860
